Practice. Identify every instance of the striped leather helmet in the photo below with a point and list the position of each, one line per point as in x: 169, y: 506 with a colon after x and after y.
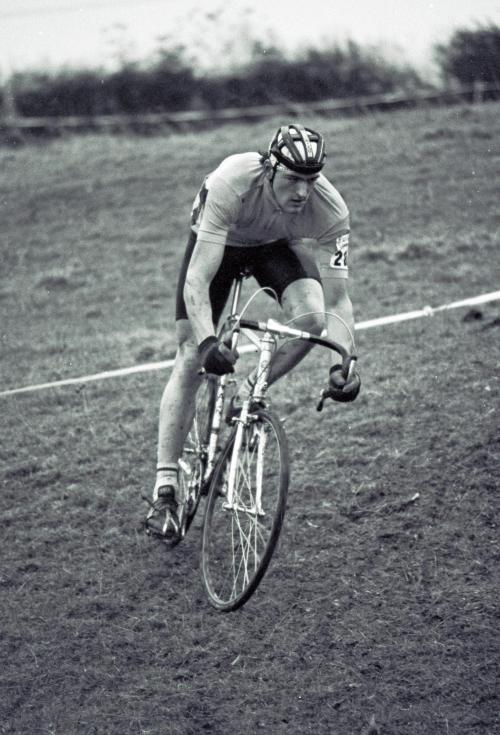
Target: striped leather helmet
x: 298, y: 148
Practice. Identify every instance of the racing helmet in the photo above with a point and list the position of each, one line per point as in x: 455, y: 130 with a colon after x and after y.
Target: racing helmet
x: 298, y: 148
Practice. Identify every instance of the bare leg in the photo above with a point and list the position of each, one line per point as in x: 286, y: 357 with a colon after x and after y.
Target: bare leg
x: 176, y: 412
x: 178, y: 400
x: 303, y: 302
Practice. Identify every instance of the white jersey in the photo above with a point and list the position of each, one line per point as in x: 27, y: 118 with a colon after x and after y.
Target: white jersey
x: 237, y: 207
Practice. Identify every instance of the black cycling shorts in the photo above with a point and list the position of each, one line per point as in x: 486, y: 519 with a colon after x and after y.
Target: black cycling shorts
x: 274, y: 265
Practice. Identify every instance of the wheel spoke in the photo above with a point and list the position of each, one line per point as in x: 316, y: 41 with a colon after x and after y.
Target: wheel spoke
x: 239, y: 537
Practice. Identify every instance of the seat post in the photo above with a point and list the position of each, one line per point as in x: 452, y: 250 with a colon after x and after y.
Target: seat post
x: 236, y: 293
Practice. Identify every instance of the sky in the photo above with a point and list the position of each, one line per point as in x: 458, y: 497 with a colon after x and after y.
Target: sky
x: 49, y: 34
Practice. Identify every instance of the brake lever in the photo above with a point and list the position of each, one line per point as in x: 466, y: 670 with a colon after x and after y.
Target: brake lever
x: 347, y: 370
x: 323, y: 396
x: 348, y: 367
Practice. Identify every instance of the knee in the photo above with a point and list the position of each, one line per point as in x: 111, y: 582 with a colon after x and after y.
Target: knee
x: 313, y: 322
x: 187, y: 358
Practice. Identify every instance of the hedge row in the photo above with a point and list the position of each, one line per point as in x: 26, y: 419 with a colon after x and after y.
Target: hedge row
x: 171, y: 85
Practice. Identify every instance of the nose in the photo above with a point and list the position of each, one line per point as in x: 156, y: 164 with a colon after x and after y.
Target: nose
x: 301, y: 189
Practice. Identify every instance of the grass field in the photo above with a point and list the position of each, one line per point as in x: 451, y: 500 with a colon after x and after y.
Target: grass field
x: 383, y: 599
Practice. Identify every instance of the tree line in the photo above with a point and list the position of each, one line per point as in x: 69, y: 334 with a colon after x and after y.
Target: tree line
x: 171, y: 84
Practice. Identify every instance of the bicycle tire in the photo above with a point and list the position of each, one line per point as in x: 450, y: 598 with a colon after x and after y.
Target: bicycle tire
x: 238, y: 542
x: 193, y: 458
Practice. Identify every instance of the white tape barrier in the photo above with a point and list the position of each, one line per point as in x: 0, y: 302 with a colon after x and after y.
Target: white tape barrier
x: 369, y: 324
x: 428, y: 311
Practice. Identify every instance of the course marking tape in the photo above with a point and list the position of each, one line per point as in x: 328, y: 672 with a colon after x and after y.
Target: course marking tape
x: 369, y: 324
x: 428, y: 311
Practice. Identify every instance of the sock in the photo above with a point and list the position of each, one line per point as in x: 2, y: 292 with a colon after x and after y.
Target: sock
x: 166, y: 474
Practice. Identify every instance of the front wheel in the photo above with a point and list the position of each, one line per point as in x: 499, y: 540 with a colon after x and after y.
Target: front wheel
x: 241, y: 528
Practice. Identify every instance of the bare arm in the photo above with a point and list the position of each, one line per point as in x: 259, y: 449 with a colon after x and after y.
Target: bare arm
x: 203, y: 266
x: 337, y: 302
x: 333, y: 258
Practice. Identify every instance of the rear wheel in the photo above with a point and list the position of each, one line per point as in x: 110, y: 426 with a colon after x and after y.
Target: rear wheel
x: 240, y: 535
x: 192, y: 462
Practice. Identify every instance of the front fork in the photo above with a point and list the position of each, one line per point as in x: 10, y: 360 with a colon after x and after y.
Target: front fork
x: 268, y: 344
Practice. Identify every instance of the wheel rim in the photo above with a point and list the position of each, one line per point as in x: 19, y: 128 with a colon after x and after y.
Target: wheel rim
x: 239, y: 538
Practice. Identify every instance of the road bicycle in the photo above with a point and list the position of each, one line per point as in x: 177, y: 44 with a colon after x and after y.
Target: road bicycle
x: 245, y: 477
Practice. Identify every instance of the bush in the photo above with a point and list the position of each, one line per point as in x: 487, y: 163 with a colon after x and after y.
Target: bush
x: 130, y: 90
x: 316, y: 75
x: 471, y: 56
x: 154, y: 90
x: 170, y: 84
x: 66, y: 93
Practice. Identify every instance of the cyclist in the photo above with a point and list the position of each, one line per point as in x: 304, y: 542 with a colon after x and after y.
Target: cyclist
x: 255, y: 210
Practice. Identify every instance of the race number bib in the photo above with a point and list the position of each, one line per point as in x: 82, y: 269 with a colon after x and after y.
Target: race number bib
x: 338, y: 261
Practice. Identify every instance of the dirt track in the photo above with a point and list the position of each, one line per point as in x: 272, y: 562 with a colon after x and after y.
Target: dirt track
x: 382, y: 601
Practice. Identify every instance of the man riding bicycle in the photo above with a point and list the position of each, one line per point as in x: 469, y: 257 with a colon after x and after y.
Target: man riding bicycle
x: 255, y: 211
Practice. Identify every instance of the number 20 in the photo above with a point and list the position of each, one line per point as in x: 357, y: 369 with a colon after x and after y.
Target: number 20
x: 339, y: 259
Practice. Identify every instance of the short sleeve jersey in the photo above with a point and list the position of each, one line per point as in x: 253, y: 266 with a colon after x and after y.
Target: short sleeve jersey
x: 237, y: 207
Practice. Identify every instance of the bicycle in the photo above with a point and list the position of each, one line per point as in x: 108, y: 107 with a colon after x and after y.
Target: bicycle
x: 245, y: 481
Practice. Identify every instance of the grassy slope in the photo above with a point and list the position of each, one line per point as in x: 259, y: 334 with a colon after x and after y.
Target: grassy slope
x: 375, y: 605
x: 93, y: 229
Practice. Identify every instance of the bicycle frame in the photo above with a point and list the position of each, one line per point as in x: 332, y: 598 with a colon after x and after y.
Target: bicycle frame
x: 247, y: 482
x: 266, y: 344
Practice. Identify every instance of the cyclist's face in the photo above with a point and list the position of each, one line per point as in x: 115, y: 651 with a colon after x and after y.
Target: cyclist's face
x: 292, y: 190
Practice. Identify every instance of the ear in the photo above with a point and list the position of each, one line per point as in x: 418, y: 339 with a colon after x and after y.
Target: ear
x: 268, y: 169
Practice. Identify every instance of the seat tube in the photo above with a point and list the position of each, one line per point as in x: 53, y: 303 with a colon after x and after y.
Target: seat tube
x: 236, y: 295
x: 215, y: 427
x: 235, y: 299
x: 219, y: 401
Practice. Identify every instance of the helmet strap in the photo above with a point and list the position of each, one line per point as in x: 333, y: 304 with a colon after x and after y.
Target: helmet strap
x: 274, y: 166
